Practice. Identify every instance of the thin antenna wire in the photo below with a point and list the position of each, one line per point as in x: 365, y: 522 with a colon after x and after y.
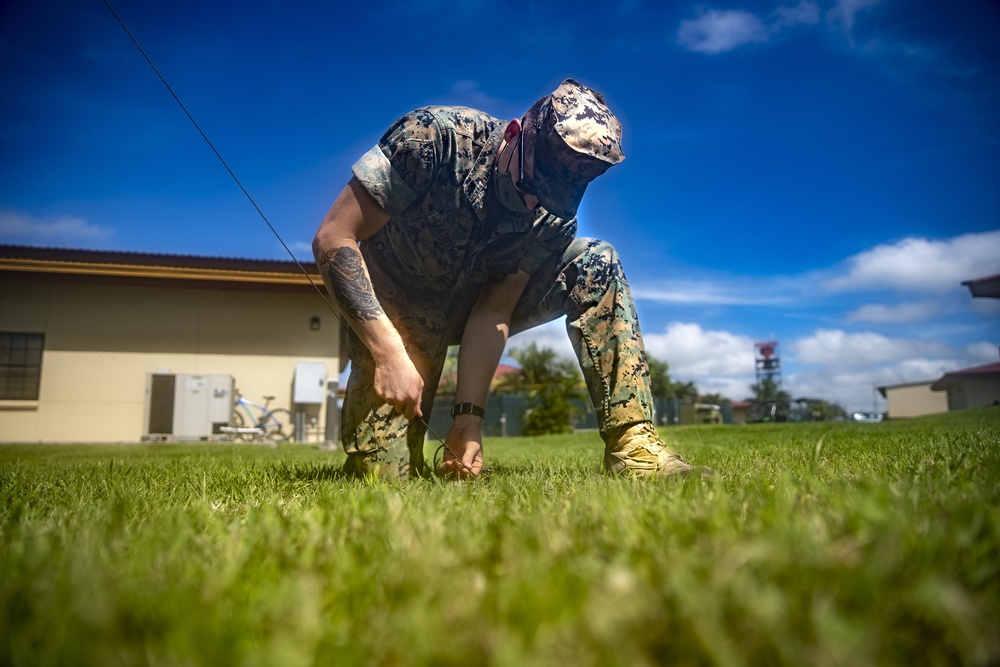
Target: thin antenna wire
x: 257, y: 208
x: 218, y: 155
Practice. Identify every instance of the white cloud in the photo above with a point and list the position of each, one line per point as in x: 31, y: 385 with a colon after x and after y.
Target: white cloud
x: 854, y: 388
x: 833, y: 346
x: 742, y: 292
x: 899, y: 313
x: 693, y: 352
x: 551, y: 335
x: 845, y: 368
x: 806, y: 13
x: 843, y: 13
x: 302, y: 250
x: 731, y: 387
x: 718, y: 31
x: 832, y: 364
x: 60, y: 231
x: 922, y: 265
x: 717, y: 361
x: 983, y: 353
x: 913, y: 264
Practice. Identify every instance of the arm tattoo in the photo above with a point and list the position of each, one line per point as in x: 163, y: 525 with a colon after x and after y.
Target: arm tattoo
x: 351, y: 286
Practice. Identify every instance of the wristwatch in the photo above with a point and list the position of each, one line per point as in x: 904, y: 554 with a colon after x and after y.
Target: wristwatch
x: 467, y: 409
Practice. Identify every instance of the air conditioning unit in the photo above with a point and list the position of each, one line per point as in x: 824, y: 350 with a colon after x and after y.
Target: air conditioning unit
x: 187, y: 406
x: 309, y: 385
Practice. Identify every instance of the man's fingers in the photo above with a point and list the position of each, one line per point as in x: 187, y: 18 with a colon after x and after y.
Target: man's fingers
x: 453, y: 466
x: 408, y: 409
x: 411, y: 410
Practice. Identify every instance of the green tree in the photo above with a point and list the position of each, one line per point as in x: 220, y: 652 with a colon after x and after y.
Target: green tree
x: 550, y: 382
x: 659, y: 378
x: 819, y: 410
x: 684, y: 390
x: 715, y: 399
x: 771, y: 402
x: 449, y: 372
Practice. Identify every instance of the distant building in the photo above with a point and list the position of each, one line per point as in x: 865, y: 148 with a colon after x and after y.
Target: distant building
x: 971, y: 387
x: 979, y: 385
x: 738, y: 412
x: 102, y: 346
x: 700, y: 413
x: 913, y: 399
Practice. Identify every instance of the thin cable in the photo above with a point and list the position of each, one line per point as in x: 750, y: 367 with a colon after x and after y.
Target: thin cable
x: 219, y: 156
x: 257, y: 208
x: 484, y: 473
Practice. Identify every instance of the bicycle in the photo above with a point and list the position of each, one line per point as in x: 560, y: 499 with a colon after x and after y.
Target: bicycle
x: 270, y: 426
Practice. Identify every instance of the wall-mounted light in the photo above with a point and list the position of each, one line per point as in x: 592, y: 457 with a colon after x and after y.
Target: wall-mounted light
x: 314, y: 323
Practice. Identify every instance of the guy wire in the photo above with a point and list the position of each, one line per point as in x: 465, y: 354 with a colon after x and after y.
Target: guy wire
x: 219, y: 156
x: 252, y: 202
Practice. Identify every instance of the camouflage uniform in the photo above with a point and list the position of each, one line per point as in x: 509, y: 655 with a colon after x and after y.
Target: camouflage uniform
x: 447, y: 236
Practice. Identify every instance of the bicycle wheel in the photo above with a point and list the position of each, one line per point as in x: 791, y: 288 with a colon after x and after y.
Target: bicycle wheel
x: 236, y: 421
x: 277, y: 425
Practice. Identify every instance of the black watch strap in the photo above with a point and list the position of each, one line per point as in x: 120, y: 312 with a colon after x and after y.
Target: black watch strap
x: 467, y: 409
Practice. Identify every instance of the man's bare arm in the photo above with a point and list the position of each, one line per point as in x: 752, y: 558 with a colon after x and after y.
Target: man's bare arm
x: 482, y: 345
x: 485, y: 337
x: 354, y: 217
x: 349, y: 283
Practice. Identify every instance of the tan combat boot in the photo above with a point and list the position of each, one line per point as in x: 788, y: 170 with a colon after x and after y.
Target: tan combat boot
x: 639, y: 451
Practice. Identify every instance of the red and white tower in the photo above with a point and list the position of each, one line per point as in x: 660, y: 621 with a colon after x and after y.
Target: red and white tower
x: 768, y: 362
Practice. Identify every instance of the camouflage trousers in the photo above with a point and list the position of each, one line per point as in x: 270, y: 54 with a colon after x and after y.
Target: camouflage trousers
x: 585, y: 283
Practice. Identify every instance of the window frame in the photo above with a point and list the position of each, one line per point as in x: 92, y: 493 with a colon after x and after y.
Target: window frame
x: 21, y: 357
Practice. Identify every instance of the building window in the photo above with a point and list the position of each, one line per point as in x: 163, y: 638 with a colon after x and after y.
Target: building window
x: 20, y: 365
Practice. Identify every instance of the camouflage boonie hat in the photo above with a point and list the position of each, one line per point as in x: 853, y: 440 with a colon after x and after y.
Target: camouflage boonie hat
x: 576, y: 139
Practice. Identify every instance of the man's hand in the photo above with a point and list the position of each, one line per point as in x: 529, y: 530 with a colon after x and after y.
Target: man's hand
x: 399, y: 384
x: 463, y: 456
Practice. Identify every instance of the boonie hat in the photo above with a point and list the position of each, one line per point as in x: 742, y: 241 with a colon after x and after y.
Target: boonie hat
x: 576, y: 138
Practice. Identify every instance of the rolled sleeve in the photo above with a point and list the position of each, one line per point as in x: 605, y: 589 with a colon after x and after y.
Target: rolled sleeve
x: 401, y: 169
x: 375, y: 172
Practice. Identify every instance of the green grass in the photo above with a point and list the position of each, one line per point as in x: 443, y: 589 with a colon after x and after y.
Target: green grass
x: 835, y: 544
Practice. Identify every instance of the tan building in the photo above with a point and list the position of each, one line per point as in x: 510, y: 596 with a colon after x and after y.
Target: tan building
x: 970, y: 387
x: 912, y: 399
x: 700, y: 413
x: 740, y: 411
x: 92, y: 341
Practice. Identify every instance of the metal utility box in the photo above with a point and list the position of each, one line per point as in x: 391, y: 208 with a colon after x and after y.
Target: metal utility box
x: 309, y: 387
x: 187, y: 406
x: 308, y: 397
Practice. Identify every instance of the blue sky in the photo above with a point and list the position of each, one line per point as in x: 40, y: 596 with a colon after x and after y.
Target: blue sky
x: 824, y: 173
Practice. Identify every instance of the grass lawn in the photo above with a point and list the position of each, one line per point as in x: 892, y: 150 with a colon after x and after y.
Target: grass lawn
x: 815, y: 544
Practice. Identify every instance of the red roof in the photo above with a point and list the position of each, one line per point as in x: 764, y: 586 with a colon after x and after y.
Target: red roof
x: 950, y: 379
x: 986, y: 368
x: 153, y: 259
x: 505, y: 369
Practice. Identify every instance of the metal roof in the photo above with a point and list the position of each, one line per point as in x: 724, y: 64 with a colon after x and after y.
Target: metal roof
x: 31, y: 259
x: 954, y: 377
x: 988, y: 286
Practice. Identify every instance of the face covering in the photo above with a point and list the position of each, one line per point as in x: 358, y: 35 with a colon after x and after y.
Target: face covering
x: 507, y: 194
